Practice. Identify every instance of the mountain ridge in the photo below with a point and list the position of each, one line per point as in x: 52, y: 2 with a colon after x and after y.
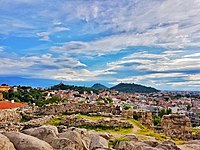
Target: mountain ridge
x: 132, y: 88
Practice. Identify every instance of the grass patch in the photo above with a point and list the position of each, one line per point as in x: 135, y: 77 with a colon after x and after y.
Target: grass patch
x: 137, y: 123
x: 107, y: 129
x: 55, y: 121
x: 195, y: 131
x: 178, y: 142
x: 93, y: 118
x: 148, y: 132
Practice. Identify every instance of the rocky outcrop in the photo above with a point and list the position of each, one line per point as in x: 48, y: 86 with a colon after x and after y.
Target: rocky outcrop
x: 73, y: 121
x: 9, y: 115
x: 5, y: 143
x: 98, y: 142
x: 48, y: 138
x: 191, y: 145
x: 25, y: 142
x: 145, y: 145
x: 38, y: 121
x: 177, y: 126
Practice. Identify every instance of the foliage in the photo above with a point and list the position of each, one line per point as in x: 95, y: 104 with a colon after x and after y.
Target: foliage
x: 131, y: 88
x: 127, y: 106
x: 156, y: 120
x: 136, y: 116
x: 163, y: 112
x: 24, y: 94
x: 80, y: 89
x: 52, y: 100
x: 99, y: 86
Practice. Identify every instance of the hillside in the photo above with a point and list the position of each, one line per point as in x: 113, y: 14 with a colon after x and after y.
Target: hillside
x: 81, y: 89
x: 99, y: 86
x: 131, y: 88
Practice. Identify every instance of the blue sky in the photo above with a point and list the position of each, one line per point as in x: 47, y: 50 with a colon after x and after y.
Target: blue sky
x: 150, y: 42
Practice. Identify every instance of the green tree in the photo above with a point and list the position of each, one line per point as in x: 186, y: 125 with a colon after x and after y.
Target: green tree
x: 126, y: 107
x: 156, y: 120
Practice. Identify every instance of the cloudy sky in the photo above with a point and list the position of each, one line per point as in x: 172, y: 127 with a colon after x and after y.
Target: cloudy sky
x: 150, y: 42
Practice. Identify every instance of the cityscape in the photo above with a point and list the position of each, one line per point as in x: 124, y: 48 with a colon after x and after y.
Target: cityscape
x: 99, y: 75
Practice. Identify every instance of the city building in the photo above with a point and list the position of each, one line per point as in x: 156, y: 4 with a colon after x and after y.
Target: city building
x: 4, y: 88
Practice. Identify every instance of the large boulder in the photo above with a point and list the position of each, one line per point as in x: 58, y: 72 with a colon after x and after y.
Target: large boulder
x: 191, y: 145
x: 98, y: 142
x: 62, y: 144
x: 5, y: 143
x: 46, y: 133
x: 131, y: 137
x: 124, y: 145
x: 26, y: 142
x: 167, y: 144
x: 75, y: 137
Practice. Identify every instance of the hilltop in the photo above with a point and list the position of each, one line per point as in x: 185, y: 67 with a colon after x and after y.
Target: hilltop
x: 80, y: 89
x: 131, y: 88
x: 99, y: 86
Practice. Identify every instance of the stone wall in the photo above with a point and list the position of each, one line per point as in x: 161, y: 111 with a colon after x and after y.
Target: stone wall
x: 177, y: 126
x: 143, y: 117
x: 9, y: 115
x: 69, y: 108
x: 73, y: 121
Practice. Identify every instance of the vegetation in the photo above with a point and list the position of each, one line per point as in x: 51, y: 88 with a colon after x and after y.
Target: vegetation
x: 127, y: 106
x: 99, y: 86
x: 55, y: 121
x: 25, y: 94
x: 148, y: 132
x: 80, y: 89
x: 107, y: 129
x: 137, y: 123
x: 52, y: 100
x: 94, y: 118
x: 131, y: 88
x: 162, y: 112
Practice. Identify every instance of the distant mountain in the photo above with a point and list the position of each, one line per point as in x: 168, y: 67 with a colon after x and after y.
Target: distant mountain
x: 99, y: 86
x: 131, y: 88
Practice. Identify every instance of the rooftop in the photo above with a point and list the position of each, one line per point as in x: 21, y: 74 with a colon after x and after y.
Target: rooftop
x: 8, y: 105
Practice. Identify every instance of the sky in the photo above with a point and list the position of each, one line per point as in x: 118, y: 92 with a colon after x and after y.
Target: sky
x: 150, y: 42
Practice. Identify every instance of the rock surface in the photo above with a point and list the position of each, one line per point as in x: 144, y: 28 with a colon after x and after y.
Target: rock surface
x: 48, y: 138
x: 26, y: 142
x: 5, y: 143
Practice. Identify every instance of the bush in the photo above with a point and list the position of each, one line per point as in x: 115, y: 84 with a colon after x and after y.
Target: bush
x: 156, y: 120
x: 126, y: 107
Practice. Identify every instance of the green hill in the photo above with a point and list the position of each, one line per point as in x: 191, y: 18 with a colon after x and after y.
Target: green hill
x: 80, y: 89
x: 132, y: 88
x: 99, y: 86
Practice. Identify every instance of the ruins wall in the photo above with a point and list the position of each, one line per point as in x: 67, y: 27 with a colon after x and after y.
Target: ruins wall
x: 73, y: 121
x: 69, y: 108
x: 177, y: 126
x: 9, y: 115
x: 144, y: 117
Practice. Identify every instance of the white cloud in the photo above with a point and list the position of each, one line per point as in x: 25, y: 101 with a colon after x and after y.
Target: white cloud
x: 45, y: 35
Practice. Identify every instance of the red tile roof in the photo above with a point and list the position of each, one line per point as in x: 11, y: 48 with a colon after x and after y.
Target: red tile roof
x: 8, y: 105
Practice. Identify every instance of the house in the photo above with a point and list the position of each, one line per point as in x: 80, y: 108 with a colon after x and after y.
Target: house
x: 4, y: 88
x: 11, y: 105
